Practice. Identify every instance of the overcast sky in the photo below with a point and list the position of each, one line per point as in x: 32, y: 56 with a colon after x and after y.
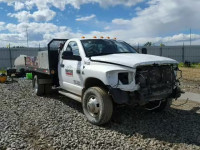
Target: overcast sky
x: 135, y: 21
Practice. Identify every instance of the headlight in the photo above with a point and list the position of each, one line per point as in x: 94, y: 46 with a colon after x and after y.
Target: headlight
x: 125, y: 77
x: 123, y: 80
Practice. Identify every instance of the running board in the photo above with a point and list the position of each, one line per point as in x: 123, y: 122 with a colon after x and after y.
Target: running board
x: 70, y: 95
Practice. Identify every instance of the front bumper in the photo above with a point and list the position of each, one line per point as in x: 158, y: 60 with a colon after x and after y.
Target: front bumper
x: 142, y: 97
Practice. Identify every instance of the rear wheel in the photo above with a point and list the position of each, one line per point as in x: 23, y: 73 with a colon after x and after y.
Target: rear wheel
x: 97, y: 105
x: 38, y: 88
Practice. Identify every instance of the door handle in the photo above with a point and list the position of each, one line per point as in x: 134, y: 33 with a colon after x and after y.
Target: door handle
x: 78, y: 71
x: 62, y: 65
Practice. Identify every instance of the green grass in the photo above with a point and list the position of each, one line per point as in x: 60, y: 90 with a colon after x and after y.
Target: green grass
x: 193, y: 65
x: 2, y: 71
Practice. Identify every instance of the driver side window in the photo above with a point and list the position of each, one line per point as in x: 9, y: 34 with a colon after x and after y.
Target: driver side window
x: 73, y: 47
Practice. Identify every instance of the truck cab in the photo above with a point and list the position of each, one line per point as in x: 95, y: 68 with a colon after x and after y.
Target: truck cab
x: 102, y: 72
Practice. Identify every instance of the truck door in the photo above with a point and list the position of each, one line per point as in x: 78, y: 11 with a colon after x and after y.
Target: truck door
x: 70, y: 77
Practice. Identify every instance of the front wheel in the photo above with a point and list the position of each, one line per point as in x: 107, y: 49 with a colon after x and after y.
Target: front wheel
x: 97, y: 105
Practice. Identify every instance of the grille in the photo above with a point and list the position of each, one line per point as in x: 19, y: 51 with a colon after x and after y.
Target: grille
x: 154, y: 75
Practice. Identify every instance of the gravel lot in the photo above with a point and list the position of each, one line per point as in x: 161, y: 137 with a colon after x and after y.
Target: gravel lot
x: 56, y: 122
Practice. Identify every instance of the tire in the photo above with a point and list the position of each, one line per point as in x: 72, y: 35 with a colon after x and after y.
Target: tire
x: 47, y: 89
x: 162, y: 105
x: 97, y: 105
x: 22, y: 72
x: 38, y: 88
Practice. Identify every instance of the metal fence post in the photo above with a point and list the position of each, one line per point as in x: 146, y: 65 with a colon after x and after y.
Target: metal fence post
x: 161, y: 52
x: 10, y: 56
x: 39, y: 47
x: 183, y: 54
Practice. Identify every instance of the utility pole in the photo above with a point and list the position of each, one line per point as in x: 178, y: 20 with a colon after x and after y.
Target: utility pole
x: 27, y: 35
x: 190, y: 37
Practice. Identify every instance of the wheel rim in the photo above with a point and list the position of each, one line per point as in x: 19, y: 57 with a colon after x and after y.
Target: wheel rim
x: 36, y: 86
x: 93, y: 106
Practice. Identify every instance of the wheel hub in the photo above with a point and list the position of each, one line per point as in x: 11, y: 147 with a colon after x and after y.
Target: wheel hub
x: 93, y: 106
x: 35, y: 86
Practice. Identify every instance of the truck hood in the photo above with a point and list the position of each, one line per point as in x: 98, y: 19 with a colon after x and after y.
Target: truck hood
x: 133, y: 60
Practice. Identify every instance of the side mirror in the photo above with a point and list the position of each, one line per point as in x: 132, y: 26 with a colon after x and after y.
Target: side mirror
x: 66, y: 54
x: 69, y: 56
x: 144, y: 51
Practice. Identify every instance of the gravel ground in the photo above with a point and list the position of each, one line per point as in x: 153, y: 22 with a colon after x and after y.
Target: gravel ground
x: 56, y: 122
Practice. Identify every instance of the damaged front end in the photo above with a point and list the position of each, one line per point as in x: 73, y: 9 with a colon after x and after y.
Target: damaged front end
x: 156, y: 83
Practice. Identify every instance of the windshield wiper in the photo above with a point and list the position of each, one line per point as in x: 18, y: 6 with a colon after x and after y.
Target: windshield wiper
x: 124, y: 52
x: 100, y: 54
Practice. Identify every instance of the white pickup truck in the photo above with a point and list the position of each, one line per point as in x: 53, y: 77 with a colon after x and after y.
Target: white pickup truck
x: 102, y: 72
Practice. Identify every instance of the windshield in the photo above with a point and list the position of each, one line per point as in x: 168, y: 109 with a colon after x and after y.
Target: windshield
x: 98, y: 47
